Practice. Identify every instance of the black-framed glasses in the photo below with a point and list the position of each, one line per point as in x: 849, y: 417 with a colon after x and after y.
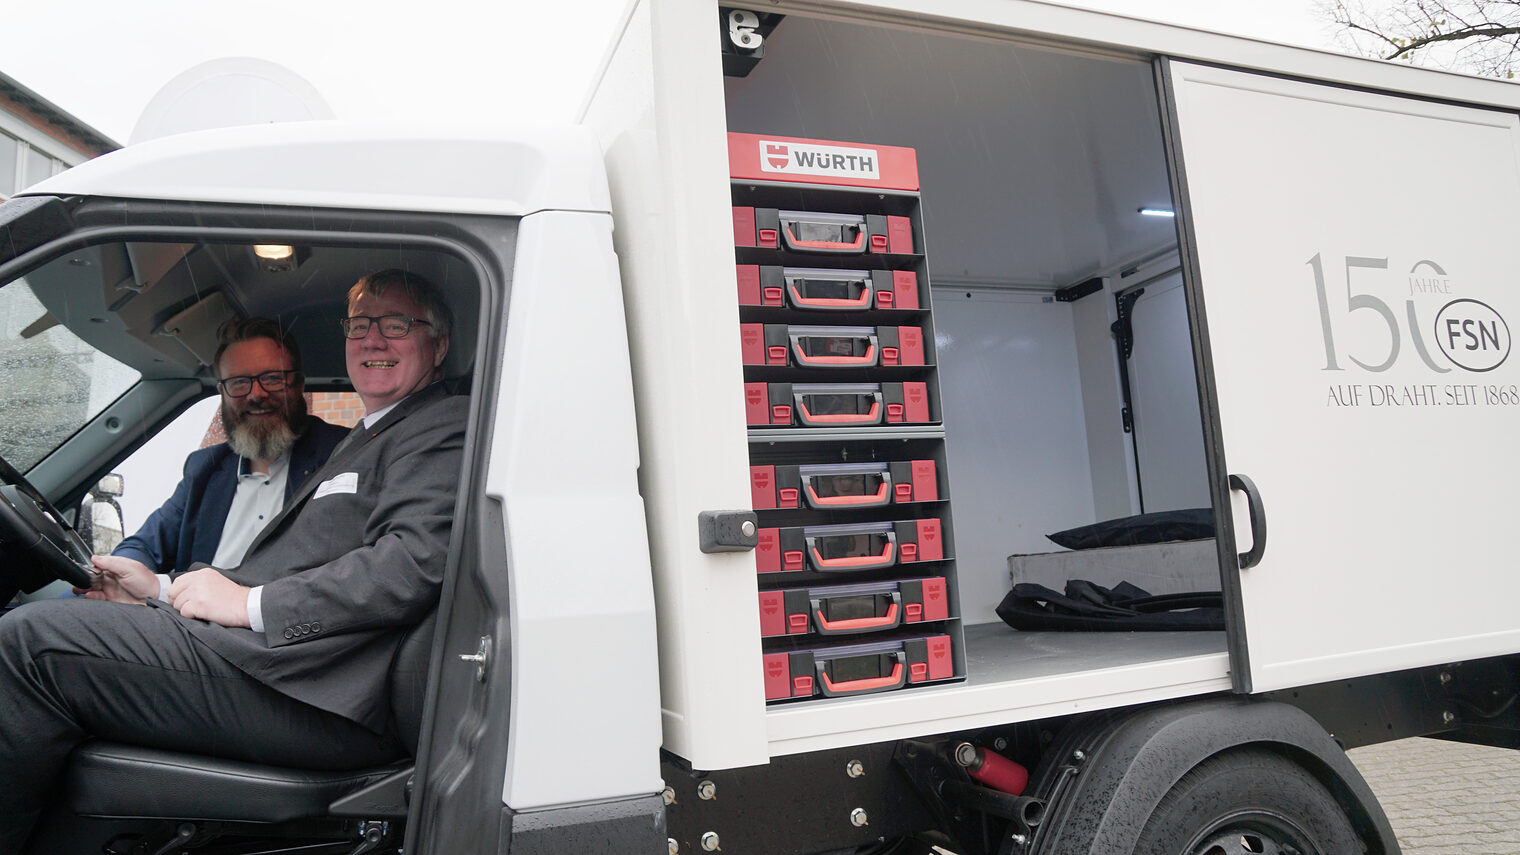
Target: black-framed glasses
x: 270, y: 381
x: 391, y: 326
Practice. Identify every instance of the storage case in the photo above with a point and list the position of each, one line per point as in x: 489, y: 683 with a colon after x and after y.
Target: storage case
x: 814, y: 289
x: 855, y: 564
x: 851, y: 548
x: 827, y: 348
x: 840, y: 671
x: 833, y: 610
x: 844, y: 486
x: 840, y: 405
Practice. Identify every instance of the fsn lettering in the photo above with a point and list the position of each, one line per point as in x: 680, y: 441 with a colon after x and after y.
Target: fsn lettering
x: 1471, y: 334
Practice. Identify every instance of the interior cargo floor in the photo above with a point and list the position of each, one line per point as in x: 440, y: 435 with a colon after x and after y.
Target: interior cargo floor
x: 1016, y: 676
x: 995, y: 653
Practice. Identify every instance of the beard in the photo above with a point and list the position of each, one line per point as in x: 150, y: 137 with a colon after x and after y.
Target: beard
x: 261, y: 439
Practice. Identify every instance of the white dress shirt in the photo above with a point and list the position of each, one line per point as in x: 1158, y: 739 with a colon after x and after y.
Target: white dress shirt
x: 258, y: 498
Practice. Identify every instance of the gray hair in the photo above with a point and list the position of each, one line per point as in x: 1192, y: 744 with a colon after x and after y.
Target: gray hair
x: 417, y: 289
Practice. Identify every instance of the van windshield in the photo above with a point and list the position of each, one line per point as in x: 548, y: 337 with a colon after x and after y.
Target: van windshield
x: 51, y: 381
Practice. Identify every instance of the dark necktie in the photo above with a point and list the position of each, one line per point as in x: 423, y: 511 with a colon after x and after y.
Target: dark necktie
x: 345, y: 442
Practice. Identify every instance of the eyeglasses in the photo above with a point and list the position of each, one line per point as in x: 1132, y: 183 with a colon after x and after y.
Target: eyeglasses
x: 271, y: 381
x: 391, y: 326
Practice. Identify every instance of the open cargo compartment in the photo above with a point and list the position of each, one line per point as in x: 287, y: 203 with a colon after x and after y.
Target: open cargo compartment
x: 1035, y: 163
x: 1040, y: 134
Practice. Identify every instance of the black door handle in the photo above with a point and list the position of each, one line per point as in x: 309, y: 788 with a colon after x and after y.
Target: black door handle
x: 1258, y: 520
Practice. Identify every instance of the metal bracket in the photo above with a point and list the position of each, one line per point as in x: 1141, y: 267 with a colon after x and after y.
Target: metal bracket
x: 1073, y: 293
x: 742, y: 38
x: 728, y: 531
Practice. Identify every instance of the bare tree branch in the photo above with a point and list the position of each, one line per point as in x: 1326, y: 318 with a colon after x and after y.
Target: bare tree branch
x: 1475, y: 36
x: 1456, y: 35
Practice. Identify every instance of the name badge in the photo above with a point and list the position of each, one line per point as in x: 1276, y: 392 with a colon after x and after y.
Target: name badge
x: 343, y: 482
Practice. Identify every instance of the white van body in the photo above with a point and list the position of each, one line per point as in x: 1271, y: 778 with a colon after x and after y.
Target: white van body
x: 1257, y: 211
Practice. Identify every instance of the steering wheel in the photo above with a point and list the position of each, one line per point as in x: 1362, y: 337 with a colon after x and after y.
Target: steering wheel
x: 38, y: 544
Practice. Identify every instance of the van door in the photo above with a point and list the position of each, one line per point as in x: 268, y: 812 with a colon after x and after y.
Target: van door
x: 1349, y: 258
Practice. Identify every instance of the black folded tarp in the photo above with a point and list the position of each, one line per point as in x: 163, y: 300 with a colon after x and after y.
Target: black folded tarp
x: 1158, y: 527
x: 1088, y: 607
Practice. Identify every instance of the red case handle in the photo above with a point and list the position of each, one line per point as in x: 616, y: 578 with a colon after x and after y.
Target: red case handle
x: 857, y: 562
x: 868, y: 418
x: 898, y: 677
x: 882, y: 497
x: 854, y: 624
x: 861, y: 302
x: 866, y: 359
x: 827, y: 245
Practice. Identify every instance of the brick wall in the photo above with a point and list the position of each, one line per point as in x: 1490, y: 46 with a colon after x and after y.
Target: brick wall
x: 48, y: 126
x: 340, y: 408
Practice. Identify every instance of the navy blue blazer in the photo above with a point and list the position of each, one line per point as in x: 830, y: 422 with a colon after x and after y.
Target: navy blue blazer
x: 188, y: 528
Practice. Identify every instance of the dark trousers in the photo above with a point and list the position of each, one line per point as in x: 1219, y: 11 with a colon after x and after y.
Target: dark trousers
x: 75, y: 669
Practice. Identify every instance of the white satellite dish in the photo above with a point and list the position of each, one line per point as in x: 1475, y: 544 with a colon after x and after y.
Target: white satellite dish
x: 231, y: 91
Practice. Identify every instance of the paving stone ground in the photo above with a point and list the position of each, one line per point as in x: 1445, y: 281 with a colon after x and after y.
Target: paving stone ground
x: 1446, y: 798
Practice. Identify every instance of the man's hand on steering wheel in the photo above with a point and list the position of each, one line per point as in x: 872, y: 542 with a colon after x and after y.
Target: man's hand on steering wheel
x: 121, y: 580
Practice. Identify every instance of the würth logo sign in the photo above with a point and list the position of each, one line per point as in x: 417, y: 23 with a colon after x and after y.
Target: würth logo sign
x: 830, y: 160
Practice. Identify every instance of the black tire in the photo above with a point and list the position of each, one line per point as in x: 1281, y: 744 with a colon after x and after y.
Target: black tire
x: 1250, y: 800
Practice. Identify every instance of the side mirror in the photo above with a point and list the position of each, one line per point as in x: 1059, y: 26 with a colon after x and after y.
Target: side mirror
x: 100, y: 522
x: 109, y: 487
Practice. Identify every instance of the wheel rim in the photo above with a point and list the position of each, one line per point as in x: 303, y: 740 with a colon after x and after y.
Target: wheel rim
x: 1253, y: 833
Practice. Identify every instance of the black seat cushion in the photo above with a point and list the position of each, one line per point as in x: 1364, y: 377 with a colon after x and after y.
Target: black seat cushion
x: 1158, y: 527
x: 108, y: 779
x: 409, y: 677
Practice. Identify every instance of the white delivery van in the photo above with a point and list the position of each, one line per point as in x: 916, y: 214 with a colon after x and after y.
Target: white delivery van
x: 784, y: 365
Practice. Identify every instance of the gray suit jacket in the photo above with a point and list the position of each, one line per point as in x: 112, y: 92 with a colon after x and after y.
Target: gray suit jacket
x: 355, y: 558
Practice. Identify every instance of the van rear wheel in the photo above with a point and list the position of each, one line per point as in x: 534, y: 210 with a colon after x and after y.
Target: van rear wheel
x: 1248, y: 801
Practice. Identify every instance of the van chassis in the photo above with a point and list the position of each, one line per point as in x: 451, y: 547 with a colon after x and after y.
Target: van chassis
x: 1095, y: 778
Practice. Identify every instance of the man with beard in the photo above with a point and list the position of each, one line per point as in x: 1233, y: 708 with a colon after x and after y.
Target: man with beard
x: 231, y: 490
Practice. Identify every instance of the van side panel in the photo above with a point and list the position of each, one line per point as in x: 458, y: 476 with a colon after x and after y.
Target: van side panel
x: 658, y: 111
x: 1357, y: 284
x: 581, y: 604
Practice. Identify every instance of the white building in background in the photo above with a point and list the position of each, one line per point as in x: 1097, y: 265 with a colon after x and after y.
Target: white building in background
x: 38, y: 140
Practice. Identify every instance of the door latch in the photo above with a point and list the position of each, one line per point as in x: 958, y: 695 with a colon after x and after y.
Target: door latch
x: 728, y: 531
x: 481, y: 658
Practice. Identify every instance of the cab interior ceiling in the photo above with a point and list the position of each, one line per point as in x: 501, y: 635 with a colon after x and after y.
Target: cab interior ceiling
x: 1034, y: 161
x: 157, y: 306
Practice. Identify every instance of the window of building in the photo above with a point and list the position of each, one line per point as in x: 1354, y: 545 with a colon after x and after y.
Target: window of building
x: 9, y: 149
x: 37, y: 167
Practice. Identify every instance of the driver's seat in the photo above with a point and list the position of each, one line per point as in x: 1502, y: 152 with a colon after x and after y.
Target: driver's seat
x: 111, y: 780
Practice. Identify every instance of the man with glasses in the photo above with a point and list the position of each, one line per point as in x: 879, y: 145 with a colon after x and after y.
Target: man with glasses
x: 232, y: 489
x: 285, y: 659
